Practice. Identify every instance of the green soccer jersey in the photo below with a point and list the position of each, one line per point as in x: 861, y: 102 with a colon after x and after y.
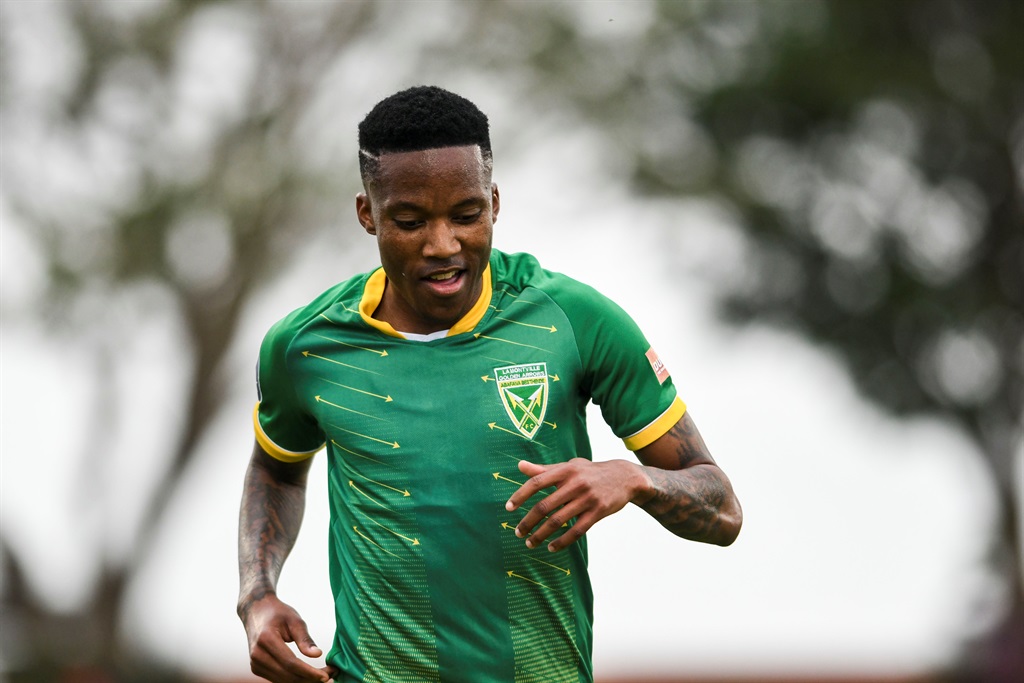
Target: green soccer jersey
x: 423, y: 439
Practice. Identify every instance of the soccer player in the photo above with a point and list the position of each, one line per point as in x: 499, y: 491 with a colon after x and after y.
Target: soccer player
x: 449, y: 389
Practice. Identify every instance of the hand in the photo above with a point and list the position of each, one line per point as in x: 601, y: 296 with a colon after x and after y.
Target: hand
x: 270, y: 625
x: 588, y: 491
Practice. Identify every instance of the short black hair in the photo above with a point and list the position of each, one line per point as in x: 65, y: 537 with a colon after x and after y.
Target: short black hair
x: 421, y: 117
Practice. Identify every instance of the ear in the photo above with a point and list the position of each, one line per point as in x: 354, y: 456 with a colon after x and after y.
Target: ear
x: 495, y: 202
x: 364, y: 212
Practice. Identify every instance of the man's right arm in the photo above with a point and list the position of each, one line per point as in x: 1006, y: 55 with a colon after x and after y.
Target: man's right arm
x: 273, y: 502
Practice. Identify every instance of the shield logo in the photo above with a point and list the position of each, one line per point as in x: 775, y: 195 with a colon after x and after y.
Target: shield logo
x: 524, y: 393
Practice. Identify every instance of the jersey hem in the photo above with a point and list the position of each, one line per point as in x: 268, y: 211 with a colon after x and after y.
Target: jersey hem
x: 658, y: 428
x: 272, y: 449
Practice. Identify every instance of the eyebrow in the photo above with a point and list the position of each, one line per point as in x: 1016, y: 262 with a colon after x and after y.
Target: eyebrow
x: 406, y: 205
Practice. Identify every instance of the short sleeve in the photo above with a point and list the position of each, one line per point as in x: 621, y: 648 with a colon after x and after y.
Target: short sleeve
x: 622, y: 372
x: 284, y: 428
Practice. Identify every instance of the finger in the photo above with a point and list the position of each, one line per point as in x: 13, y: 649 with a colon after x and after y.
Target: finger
x: 306, y: 645
x: 542, y: 509
x: 557, y: 521
x: 277, y: 671
x: 571, y: 535
x: 300, y: 671
x: 531, y: 469
x: 289, y: 671
x: 298, y: 633
x: 293, y: 668
x: 303, y: 671
x: 535, y: 483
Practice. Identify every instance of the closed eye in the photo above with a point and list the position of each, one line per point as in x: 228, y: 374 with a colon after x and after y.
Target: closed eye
x: 470, y: 217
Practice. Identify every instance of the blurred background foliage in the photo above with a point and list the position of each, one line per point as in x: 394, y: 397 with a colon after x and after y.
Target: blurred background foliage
x: 864, y: 159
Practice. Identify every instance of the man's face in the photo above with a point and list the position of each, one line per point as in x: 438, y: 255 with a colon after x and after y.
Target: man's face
x: 433, y: 214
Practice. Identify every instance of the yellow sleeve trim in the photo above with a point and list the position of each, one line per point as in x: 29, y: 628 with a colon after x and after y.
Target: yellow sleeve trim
x: 374, y: 292
x: 658, y: 428
x: 272, y: 449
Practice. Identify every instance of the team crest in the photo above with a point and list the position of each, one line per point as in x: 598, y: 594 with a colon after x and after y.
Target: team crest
x: 524, y: 393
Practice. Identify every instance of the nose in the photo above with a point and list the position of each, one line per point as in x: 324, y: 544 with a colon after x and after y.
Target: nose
x: 441, y: 241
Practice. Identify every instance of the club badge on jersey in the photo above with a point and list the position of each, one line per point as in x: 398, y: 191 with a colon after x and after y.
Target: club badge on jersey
x: 524, y: 393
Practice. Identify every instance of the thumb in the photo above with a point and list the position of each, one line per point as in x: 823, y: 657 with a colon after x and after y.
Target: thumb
x: 300, y: 634
x: 308, y: 647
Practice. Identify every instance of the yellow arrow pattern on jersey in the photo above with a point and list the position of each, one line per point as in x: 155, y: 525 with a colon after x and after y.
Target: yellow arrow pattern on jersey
x: 497, y: 475
x: 520, y: 576
x: 393, y: 444
x: 382, y: 548
x: 405, y: 493
x: 386, y: 399
x: 320, y: 399
x: 413, y: 541
x: 550, y: 328
x: 360, y: 455
x: 366, y: 495
x: 553, y: 566
x: 307, y: 354
x: 509, y: 341
x: 382, y: 354
x: 494, y: 425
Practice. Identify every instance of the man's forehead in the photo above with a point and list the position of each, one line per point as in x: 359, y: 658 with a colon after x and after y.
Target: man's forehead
x: 465, y: 154
x: 448, y: 166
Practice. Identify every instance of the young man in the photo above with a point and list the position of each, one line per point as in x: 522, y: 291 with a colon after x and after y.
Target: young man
x: 449, y: 387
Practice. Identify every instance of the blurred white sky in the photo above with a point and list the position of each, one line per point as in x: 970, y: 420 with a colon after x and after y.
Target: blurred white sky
x: 862, y: 538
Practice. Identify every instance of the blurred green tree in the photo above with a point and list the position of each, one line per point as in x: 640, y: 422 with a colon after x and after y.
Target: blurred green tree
x: 161, y: 158
x: 869, y: 156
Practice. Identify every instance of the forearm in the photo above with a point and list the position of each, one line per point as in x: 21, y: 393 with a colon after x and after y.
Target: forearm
x: 696, y: 503
x: 269, y: 521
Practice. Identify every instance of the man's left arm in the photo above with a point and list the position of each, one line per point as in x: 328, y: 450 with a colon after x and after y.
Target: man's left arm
x: 678, y: 483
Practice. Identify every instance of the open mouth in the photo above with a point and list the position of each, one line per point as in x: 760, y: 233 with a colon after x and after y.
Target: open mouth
x: 446, y: 282
x: 441, y: 277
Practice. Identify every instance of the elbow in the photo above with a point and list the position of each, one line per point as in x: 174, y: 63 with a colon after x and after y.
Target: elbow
x: 731, y: 520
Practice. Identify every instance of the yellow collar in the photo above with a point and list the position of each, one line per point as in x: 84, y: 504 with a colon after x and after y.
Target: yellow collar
x: 374, y: 292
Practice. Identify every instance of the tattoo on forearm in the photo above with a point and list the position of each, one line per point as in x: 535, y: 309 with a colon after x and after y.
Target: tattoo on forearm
x: 689, y: 501
x: 270, y: 519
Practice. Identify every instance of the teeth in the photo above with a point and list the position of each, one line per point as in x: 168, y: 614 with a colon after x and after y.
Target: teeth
x: 443, y: 276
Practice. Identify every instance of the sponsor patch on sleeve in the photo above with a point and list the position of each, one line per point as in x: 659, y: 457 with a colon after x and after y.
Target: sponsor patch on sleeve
x: 660, y: 371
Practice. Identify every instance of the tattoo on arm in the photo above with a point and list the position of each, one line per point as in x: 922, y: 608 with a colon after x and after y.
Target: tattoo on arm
x: 693, y: 499
x: 690, y: 446
x: 270, y: 518
x: 688, y: 502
